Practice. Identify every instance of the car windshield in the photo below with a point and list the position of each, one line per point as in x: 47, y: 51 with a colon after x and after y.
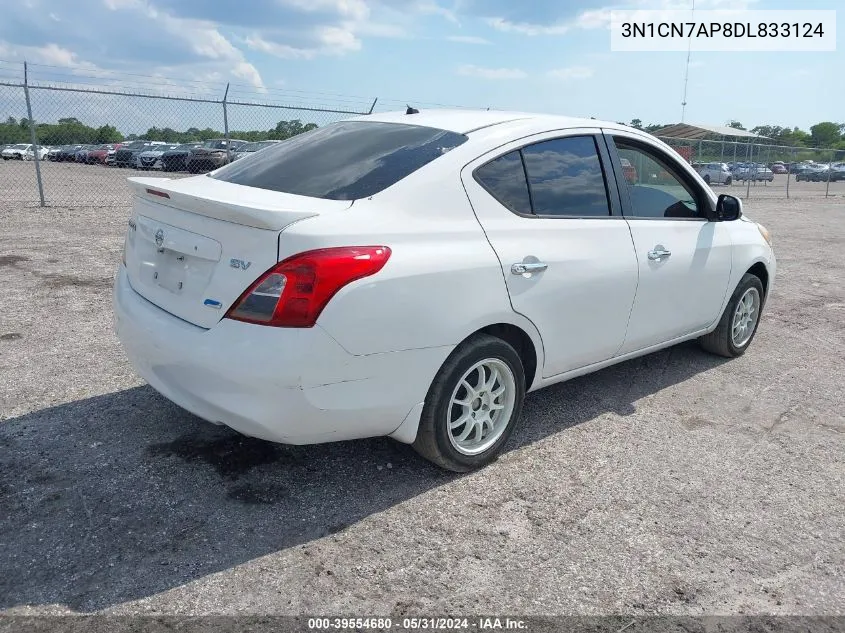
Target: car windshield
x: 21, y: 146
x: 187, y: 147
x: 215, y: 144
x: 342, y: 161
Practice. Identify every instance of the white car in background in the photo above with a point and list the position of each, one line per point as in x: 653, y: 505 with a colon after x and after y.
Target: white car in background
x: 715, y: 173
x: 414, y: 275
x: 24, y: 151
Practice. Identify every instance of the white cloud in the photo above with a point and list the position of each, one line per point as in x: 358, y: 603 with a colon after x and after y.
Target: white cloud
x: 467, y: 39
x: 331, y: 40
x: 470, y: 70
x: 432, y: 8
x: 572, y: 72
x: 354, y: 9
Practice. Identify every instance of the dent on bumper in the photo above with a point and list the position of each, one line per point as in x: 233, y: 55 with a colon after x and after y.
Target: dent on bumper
x: 296, y: 386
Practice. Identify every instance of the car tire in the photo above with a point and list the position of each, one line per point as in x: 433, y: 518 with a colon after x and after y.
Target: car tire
x: 728, y: 180
x: 440, y: 433
x: 707, y: 179
x: 729, y: 339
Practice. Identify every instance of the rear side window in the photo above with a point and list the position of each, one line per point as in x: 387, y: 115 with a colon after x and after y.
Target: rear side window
x: 565, y: 178
x: 342, y: 161
x: 504, y: 179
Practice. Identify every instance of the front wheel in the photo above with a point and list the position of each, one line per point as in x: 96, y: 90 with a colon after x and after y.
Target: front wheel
x: 473, y: 405
x: 739, y: 321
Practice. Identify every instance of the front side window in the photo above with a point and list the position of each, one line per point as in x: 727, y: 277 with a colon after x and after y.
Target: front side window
x: 565, y: 178
x: 657, y: 191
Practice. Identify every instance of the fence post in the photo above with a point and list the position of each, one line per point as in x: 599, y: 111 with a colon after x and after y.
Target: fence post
x: 748, y: 174
x: 32, y: 136
x: 829, y: 167
x: 789, y: 172
x: 373, y: 107
x: 226, y: 124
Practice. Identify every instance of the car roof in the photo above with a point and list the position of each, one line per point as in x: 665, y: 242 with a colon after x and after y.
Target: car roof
x: 465, y: 121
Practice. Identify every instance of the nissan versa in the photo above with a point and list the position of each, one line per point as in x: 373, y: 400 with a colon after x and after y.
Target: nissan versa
x: 415, y: 274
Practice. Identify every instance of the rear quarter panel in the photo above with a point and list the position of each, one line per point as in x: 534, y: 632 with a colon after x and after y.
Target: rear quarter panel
x: 442, y: 283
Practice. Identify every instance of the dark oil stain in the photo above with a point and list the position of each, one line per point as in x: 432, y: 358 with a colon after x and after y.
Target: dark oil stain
x: 254, y: 494
x: 11, y: 336
x: 12, y: 260
x: 61, y: 280
x: 230, y: 456
x: 695, y: 422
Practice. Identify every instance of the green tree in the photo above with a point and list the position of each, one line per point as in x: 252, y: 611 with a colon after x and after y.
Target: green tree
x: 108, y: 134
x: 637, y: 123
x: 736, y: 125
x: 825, y: 134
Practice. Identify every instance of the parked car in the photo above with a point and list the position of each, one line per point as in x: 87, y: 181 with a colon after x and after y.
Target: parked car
x: 24, y: 151
x: 125, y: 156
x: 392, y: 275
x: 103, y: 154
x: 248, y: 148
x: 797, y: 168
x: 778, y: 168
x: 211, y: 154
x: 628, y: 170
x: 175, y: 159
x: 151, y: 158
x: 81, y: 155
x: 837, y: 172
x: 753, y: 173
x: 53, y: 152
x: 812, y: 173
x: 68, y: 153
x: 715, y: 173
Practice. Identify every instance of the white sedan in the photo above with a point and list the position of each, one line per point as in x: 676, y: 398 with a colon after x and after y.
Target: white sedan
x: 24, y: 151
x: 414, y: 275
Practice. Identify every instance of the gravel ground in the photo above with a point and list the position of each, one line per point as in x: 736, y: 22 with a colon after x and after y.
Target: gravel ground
x: 677, y: 483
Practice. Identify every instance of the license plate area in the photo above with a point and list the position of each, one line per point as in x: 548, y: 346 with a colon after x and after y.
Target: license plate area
x: 169, y: 270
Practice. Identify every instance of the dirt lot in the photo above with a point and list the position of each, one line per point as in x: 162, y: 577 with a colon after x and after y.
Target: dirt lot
x: 676, y: 483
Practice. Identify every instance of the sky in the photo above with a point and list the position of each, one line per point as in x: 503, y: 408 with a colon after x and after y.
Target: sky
x: 529, y: 55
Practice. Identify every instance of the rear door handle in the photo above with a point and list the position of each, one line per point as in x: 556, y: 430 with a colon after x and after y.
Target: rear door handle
x: 528, y: 267
x: 659, y: 253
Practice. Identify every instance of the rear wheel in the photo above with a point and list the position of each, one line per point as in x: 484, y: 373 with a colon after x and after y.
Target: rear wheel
x: 473, y: 405
x: 728, y: 180
x: 739, y: 321
x: 707, y: 179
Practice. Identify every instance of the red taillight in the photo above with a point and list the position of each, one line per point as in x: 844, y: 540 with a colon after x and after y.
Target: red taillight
x: 160, y: 194
x: 295, y: 291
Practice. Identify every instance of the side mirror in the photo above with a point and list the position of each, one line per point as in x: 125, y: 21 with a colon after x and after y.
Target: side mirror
x: 728, y: 208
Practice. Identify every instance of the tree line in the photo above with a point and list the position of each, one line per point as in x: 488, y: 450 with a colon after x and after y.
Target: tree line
x: 826, y: 134
x: 71, y: 131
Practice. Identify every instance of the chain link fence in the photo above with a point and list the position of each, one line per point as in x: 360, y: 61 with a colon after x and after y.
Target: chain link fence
x: 67, y: 144
x: 760, y: 169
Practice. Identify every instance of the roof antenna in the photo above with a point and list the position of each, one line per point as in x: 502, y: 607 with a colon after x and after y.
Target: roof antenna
x: 411, y: 110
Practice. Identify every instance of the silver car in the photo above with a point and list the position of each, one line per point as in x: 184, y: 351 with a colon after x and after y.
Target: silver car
x: 715, y: 173
x: 151, y: 158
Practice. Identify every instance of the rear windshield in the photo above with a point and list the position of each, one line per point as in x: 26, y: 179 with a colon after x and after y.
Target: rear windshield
x: 342, y: 161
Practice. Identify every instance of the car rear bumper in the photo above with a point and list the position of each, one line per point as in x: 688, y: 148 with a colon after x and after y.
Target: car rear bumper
x: 289, y: 385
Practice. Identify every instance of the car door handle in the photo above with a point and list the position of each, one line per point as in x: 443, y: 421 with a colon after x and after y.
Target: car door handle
x: 659, y: 253
x: 528, y: 267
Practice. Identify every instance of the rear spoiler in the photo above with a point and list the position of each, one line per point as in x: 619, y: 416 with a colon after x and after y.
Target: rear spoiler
x: 229, y: 202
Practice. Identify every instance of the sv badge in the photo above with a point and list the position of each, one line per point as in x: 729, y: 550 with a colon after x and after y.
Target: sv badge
x: 239, y: 263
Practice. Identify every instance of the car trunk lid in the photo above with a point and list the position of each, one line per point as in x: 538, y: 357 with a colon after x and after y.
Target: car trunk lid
x: 195, y: 244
